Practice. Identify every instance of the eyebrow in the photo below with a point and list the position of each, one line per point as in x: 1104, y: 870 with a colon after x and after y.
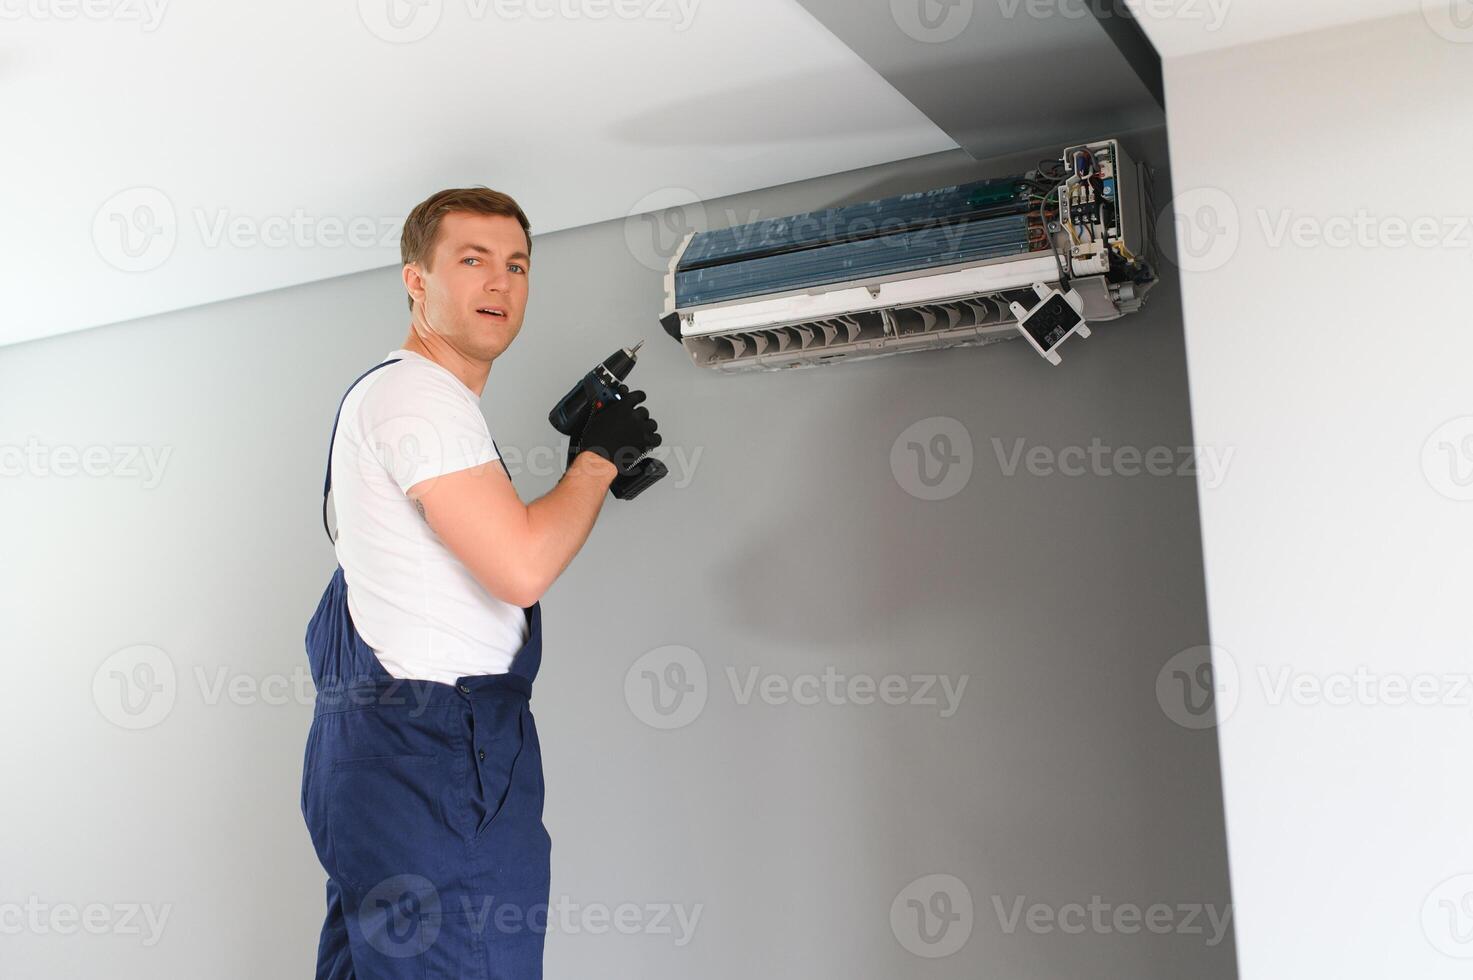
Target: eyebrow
x: 486, y: 251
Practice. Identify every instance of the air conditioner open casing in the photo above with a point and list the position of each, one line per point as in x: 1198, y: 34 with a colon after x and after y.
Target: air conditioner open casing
x: 914, y: 272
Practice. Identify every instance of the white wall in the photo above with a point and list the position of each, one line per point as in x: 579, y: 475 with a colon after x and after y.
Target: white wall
x: 1340, y: 377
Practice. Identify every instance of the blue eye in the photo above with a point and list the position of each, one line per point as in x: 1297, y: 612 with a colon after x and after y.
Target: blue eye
x: 516, y: 266
x: 470, y: 258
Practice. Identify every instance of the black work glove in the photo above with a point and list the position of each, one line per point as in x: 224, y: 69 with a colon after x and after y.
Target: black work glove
x: 621, y: 432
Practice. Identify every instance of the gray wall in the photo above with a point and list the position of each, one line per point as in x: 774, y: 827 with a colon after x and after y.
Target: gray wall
x: 792, y: 549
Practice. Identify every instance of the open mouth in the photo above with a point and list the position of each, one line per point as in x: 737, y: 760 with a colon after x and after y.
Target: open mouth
x: 492, y: 311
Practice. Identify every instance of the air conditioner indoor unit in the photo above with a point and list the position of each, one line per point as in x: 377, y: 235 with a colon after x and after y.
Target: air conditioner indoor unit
x: 957, y: 266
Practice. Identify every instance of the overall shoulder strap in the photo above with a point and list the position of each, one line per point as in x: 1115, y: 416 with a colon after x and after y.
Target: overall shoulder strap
x: 327, y: 483
x: 501, y: 458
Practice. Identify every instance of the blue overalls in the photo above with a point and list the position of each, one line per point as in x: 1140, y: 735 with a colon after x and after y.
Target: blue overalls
x: 424, y: 804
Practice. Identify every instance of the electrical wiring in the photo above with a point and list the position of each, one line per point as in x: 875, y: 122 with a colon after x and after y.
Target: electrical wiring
x: 1125, y: 253
x: 1053, y: 242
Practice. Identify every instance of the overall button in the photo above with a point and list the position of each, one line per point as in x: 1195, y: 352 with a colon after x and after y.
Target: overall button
x: 482, y: 755
x: 463, y: 689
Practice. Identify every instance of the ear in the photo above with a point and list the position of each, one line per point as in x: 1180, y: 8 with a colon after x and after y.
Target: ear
x: 414, y: 282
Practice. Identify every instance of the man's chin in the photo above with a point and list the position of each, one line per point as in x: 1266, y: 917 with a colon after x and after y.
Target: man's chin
x: 490, y: 344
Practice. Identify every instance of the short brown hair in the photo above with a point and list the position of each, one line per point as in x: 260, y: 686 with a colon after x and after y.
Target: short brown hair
x: 417, y: 243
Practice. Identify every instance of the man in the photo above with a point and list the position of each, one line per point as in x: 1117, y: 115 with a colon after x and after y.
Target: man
x: 422, y: 779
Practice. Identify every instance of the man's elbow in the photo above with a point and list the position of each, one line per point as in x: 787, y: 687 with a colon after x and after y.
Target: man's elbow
x: 526, y: 590
x: 526, y: 598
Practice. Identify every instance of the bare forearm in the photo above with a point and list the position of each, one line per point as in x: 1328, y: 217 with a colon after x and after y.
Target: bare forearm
x: 561, y: 520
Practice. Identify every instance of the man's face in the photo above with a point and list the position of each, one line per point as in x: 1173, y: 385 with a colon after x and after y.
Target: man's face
x: 479, y: 262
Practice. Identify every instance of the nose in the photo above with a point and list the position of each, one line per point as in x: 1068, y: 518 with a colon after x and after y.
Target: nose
x: 497, y: 278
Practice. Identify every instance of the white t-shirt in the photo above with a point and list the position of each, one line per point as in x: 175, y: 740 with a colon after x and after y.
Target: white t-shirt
x: 411, y: 599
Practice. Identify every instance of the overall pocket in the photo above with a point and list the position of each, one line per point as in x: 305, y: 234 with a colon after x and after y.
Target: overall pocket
x: 497, y: 730
x: 458, y: 951
x: 377, y: 817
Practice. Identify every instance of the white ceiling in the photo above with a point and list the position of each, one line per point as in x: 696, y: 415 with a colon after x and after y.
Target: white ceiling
x: 203, y: 129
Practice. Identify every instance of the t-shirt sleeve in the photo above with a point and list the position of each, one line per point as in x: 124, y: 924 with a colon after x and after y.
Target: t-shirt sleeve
x: 420, y: 423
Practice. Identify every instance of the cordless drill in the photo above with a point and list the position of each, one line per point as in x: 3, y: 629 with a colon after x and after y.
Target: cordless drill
x: 594, y: 390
